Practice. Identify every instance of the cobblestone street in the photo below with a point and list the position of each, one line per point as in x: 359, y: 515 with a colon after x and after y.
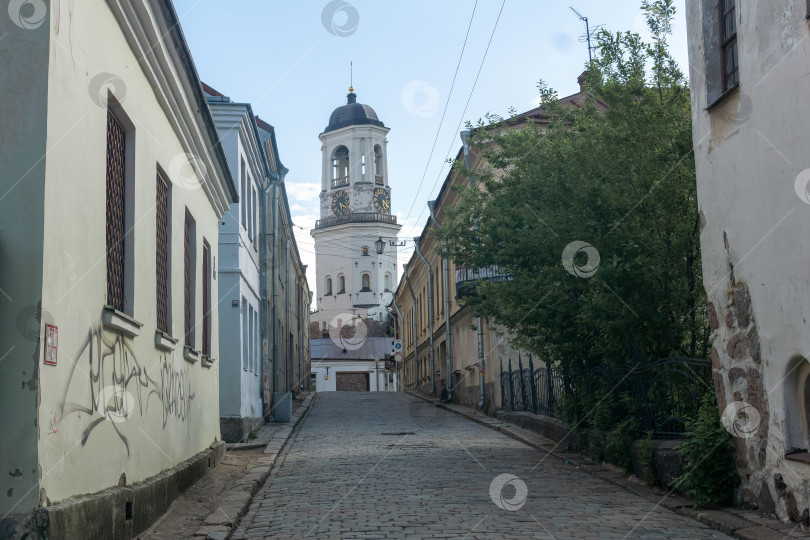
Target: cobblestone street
x: 388, y: 465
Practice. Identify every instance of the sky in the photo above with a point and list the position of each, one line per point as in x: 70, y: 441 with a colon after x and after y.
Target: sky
x: 291, y: 61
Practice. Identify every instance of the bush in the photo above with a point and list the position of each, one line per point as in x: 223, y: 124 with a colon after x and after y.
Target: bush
x: 710, y: 474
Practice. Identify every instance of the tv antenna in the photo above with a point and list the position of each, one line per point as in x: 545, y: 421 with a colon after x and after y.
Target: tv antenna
x: 586, y: 37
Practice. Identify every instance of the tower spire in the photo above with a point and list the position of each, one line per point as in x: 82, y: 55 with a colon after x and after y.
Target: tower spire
x: 351, y: 76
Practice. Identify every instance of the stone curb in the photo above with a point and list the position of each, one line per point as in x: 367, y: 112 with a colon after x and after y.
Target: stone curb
x: 724, y: 521
x: 219, y: 524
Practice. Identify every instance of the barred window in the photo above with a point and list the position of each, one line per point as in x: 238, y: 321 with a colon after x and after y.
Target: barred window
x: 116, y: 212
x: 189, y: 288
x: 162, y: 247
x: 206, y: 294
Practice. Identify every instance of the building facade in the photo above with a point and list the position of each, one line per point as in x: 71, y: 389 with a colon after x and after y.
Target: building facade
x: 353, y: 279
x: 749, y: 77
x: 366, y: 368
x: 114, y: 187
x: 287, y: 359
x: 465, y: 362
x: 241, y: 293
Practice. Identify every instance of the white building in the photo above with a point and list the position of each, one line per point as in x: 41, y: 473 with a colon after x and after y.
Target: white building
x: 350, y: 368
x: 240, y: 284
x: 751, y: 127
x: 113, y: 187
x: 353, y: 280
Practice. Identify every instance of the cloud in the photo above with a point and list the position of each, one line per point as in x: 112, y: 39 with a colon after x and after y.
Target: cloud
x: 304, y: 191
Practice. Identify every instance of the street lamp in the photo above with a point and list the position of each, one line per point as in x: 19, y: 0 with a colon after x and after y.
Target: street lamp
x: 380, y: 244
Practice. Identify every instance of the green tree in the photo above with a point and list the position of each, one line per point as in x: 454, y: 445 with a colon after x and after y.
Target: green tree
x: 616, y: 173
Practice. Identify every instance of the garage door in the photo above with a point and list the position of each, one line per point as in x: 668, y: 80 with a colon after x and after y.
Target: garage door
x: 352, y: 382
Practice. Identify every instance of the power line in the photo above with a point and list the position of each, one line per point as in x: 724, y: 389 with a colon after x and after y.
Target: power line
x: 469, y: 98
x: 446, y: 105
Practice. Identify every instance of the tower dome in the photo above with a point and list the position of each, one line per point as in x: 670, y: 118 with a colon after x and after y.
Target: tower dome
x: 352, y: 114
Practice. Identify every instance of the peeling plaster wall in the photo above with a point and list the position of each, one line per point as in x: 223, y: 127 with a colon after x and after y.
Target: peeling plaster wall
x: 23, y: 113
x: 115, y: 409
x: 750, y: 150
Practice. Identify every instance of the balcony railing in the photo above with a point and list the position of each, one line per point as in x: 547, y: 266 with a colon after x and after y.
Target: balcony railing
x: 356, y: 217
x: 378, y: 179
x: 340, y: 182
x: 467, y: 278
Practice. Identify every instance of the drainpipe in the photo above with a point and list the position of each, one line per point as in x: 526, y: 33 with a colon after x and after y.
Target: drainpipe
x: 273, y: 278
x: 430, y: 314
x: 288, y: 347
x: 465, y: 136
x: 396, y: 326
x: 413, y: 317
x: 445, y: 266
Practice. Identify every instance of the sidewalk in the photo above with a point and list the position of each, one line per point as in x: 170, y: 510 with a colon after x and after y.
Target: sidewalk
x: 736, y: 522
x: 212, y: 506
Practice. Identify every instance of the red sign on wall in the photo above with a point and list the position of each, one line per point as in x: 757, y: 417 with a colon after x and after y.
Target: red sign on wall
x: 51, y: 342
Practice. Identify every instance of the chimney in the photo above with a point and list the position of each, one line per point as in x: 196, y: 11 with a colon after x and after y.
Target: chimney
x: 581, y: 80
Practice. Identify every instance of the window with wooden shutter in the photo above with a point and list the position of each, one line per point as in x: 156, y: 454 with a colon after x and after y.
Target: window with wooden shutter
x: 162, y: 253
x: 206, y: 283
x: 188, y: 281
x: 116, y: 216
x: 728, y: 33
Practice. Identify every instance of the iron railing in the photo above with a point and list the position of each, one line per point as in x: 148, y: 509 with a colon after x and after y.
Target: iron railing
x: 467, y: 278
x: 355, y: 217
x: 667, y: 392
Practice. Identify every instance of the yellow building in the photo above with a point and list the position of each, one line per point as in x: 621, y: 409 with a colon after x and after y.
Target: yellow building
x: 475, y: 347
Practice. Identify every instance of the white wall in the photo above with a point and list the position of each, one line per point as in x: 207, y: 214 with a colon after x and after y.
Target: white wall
x: 751, y: 150
x: 172, y: 405
x: 326, y: 379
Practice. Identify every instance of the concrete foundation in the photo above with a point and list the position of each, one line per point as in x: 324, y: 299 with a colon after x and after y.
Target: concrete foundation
x: 116, y: 513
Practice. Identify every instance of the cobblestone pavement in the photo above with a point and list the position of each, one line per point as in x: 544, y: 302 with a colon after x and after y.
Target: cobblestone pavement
x: 388, y: 465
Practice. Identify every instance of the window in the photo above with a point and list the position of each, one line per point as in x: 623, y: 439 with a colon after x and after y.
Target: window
x: 251, y: 330
x: 116, y: 211
x: 387, y: 282
x: 206, y: 300
x: 365, y: 251
x: 728, y: 37
x: 341, y: 284
x: 189, y: 278
x: 162, y: 258
x: 250, y: 210
x: 245, y: 335
x: 328, y: 286
x: 378, y: 164
x: 366, y: 281
x: 340, y: 167
x: 255, y: 218
x: 243, y: 202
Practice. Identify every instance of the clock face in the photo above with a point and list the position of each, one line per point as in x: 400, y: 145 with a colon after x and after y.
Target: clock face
x: 340, y: 203
x: 382, y: 200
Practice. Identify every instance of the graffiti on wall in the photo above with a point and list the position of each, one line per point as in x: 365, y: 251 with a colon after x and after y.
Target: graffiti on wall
x: 108, y: 383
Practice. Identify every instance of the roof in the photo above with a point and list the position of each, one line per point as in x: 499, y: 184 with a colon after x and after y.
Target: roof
x: 372, y: 348
x: 352, y: 114
x: 179, y: 40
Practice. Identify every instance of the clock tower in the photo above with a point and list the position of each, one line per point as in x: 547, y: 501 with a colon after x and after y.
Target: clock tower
x: 353, y: 279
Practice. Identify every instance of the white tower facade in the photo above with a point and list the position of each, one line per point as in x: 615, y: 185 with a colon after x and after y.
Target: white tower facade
x: 353, y: 279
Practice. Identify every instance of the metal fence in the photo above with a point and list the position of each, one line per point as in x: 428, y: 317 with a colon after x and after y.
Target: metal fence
x: 666, y: 392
